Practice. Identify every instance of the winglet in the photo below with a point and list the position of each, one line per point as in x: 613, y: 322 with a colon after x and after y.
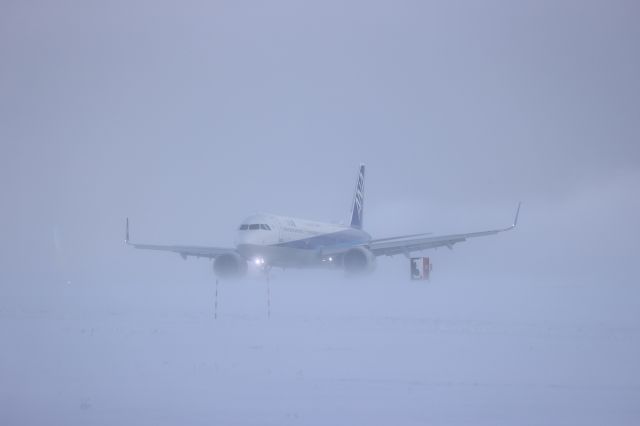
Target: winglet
x: 515, y: 221
x: 126, y: 237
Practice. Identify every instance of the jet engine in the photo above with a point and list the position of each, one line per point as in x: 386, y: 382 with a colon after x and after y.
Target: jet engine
x: 230, y: 265
x: 358, y: 260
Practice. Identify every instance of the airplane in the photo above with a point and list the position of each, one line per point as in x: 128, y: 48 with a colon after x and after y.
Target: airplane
x: 267, y: 240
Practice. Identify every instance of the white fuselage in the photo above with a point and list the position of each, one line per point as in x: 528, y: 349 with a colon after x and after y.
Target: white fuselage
x: 290, y: 242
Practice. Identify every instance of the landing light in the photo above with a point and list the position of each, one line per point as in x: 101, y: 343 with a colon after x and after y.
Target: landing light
x: 259, y: 261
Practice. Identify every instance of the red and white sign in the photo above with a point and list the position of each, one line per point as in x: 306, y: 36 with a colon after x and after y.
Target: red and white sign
x: 420, y: 268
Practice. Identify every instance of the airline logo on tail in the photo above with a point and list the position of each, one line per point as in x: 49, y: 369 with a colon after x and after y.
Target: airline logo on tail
x: 358, y: 201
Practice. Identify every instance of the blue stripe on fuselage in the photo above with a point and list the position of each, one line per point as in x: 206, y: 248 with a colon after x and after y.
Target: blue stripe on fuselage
x: 346, y: 237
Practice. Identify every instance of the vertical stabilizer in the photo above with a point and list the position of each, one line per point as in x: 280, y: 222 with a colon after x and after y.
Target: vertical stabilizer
x: 358, y: 201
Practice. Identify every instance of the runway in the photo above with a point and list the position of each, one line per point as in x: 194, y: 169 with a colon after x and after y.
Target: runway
x: 337, y: 352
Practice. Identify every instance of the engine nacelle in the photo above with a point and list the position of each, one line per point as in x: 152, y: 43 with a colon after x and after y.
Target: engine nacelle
x: 230, y: 265
x: 358, y: 260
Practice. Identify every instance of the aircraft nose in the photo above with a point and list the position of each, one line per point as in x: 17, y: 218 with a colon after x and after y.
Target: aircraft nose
x: 243, y: 237
x: 247, y: 237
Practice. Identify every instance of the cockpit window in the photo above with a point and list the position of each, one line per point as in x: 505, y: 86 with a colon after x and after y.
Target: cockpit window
x: 254, y: 226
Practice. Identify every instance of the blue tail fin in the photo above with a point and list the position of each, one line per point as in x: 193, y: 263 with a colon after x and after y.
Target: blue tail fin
x: 358, y: 201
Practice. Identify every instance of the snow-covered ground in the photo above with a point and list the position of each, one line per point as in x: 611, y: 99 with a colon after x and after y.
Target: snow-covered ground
x: 368, y: 351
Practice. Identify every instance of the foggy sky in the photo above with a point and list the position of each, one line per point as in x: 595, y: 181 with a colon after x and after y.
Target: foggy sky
x: 188, y: 116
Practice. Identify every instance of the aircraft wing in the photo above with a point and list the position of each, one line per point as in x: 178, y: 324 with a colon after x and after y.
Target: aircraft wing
x: 404, y: 245
x: 184, y: 251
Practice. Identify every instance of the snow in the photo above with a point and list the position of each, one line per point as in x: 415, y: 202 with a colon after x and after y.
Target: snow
x: 367, y: 351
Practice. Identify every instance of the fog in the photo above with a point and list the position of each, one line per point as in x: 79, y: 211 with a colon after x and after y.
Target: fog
x: 187, y: 117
